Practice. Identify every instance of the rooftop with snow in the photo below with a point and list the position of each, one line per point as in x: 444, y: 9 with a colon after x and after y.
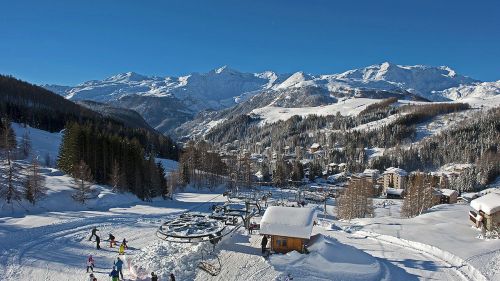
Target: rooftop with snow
x: 489, y: 203
x: 288, y: 221
x: 398, y: 171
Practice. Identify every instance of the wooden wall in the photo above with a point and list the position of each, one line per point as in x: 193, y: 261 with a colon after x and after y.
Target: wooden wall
x: 278, y: 244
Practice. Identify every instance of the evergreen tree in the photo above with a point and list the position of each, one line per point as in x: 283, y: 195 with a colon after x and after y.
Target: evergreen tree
x: 9, y: 189
x: 69, y: 151
x: 163, y: 185
x: 116, y: 176
x: 83, y: 180
x: 297, y: 171
x: 280, y: 174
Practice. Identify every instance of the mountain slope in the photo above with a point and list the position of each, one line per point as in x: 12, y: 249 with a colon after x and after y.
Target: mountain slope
x: 126, y: 116
x: 169, y: 103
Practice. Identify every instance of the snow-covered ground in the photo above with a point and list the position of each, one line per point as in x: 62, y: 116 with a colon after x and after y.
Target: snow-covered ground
x: 271, y: 114
x: 54, y: 245
x: 43, y: 143
x: 49, y: 241
x: 446, y: 227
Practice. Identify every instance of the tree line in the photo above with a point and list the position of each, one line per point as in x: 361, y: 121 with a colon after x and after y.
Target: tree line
x: 112, y: 159
x: 17, y: 181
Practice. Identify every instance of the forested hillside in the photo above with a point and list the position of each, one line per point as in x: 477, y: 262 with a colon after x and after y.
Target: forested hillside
x: 96, y: 147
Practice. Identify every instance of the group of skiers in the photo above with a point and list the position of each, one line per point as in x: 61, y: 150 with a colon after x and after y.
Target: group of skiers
x: 112, y: 241
x: 117, y: 271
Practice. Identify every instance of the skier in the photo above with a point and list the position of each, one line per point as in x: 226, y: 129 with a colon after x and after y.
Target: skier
x: 115, y: 276
x: 91, y: 277
x: 98, y: 242
x: 124, y: 242
x: 154, y: 277
x: 94, y: 230
x: 172, y: 277
x: 121, y: 251
x: 90, y: 263
x: 119, y: 266
x: 264, y: 244
x: 111, y: 240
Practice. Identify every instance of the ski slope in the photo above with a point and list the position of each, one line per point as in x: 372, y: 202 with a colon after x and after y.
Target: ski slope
x: 49, y: 241
x: 57, y: 249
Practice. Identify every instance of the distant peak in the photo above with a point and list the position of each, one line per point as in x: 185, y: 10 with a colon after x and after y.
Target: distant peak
x: 127, y: 76
x: 386, y: 65
x: 224, y: 69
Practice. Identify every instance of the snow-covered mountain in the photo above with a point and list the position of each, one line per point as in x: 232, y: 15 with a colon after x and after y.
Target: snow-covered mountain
x: 424, y: 81
x: 215, y: 89
x: 476, y: 90
x: 223, y: 87
x: 182, y: 98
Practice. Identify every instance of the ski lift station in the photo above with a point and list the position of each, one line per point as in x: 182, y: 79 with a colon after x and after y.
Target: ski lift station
x: 289, y: 227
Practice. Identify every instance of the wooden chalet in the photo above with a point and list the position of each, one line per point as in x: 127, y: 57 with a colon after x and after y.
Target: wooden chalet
x: 487, y: 207
x: 289, y: 227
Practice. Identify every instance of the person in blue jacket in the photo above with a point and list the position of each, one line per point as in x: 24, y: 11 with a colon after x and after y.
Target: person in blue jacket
x: 115, y: 276
x: 119, y: 266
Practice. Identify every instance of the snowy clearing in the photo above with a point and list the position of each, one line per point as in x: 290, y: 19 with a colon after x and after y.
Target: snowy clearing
x: 271, y: 114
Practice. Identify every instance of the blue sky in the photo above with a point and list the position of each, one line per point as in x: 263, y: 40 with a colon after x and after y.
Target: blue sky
x: 67, y: 42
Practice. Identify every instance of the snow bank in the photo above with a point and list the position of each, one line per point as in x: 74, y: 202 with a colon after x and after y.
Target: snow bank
x: 489, y: 203
x: 164, y: 258
x: 288, y: 221
x: 464, y: 268
x: 329, y: 260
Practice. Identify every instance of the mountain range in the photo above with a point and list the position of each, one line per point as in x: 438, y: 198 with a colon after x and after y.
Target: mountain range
x: 170, y: 104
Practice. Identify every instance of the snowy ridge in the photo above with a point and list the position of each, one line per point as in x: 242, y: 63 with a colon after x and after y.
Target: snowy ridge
x: 477, y: 90
x: 170, y: 103
x: 221, y: 87
x: 215, y: 89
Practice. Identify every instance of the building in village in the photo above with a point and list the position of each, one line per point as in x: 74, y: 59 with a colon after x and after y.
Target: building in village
x: 395, y: 178
x: 290, y: 228
x: 487, y: 210
x: 448, y: 196
x: 315, y: 147
x: 395, y: 193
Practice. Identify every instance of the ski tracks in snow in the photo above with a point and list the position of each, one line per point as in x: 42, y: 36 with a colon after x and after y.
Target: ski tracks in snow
x: 453, y: 262
x: 35, y: 251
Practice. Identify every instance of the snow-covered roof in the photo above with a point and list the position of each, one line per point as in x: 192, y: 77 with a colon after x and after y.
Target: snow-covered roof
x: 395, y: 191
x: 371, y: 172
x: 315, y: 145
x: 398, y: 171
x: 489, y: 203
x: 288, y: 221
x: 448, y: 192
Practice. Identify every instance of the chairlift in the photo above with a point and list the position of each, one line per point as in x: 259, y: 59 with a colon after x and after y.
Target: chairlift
x: 210, y: 263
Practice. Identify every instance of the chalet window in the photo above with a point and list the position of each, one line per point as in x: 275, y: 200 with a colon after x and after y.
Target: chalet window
x: 281, y: 242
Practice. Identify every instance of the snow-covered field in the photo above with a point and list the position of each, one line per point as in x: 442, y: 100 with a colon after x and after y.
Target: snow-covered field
x: 271, y: 114
x: 53, y: 245
x: 49, y: 241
